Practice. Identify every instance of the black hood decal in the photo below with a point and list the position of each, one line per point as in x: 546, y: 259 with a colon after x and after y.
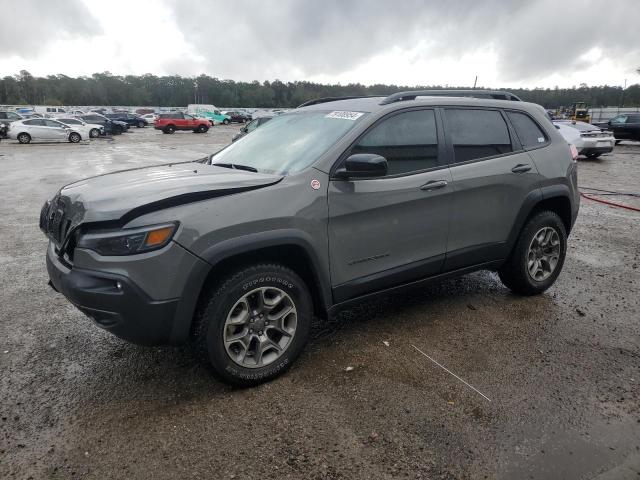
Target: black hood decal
x: 184, y: 199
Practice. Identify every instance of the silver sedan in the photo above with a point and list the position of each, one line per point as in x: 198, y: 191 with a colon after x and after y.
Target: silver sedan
x: 44, y: 129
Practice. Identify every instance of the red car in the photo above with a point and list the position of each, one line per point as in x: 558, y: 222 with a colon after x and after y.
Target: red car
x: 170, y: 122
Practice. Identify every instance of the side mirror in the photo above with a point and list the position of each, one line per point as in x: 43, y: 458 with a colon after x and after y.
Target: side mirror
x: 363, y: 165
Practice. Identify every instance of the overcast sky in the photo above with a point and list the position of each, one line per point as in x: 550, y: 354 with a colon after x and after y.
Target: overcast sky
x: 517, y: 43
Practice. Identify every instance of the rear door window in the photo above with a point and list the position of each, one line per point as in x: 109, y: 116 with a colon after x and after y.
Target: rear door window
x: 527, y: 130
x: 34, y: 122
x: 477, y: 134
x: 409, y: 142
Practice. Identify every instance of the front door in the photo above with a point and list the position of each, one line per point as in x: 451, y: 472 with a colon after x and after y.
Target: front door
x: 619, y: 127
x: 55, y: 130
x: 391, y: 230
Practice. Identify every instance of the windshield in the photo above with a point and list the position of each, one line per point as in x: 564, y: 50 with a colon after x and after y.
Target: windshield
x: 289, y: 143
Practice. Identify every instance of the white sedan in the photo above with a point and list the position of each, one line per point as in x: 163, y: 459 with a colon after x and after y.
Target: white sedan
x: 44, y: 129
x: 150, y: 118
x: 590, y: 140
x: 87, y: 130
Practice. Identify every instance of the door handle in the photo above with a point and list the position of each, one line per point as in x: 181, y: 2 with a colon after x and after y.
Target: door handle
x: 433, y: 184
x: 521, y: 168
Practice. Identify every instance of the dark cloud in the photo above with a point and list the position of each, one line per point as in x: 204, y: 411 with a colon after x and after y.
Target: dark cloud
x: 28, y: 26
x: 287, y: 38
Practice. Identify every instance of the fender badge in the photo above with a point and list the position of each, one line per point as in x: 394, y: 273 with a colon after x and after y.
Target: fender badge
x: 315, y: 184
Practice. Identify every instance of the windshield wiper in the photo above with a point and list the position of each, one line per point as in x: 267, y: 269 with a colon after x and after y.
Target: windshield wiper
x: 236, y: 166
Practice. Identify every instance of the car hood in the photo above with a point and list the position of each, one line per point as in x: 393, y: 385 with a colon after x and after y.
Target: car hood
x: 119, y: 197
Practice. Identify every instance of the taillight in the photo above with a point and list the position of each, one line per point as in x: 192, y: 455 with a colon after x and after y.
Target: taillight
x: 574, y: 152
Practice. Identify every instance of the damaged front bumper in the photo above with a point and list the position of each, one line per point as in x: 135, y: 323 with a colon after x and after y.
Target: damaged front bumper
x: 114, y: 302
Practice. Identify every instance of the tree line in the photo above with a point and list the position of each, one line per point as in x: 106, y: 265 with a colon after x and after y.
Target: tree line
x: 177, y: 91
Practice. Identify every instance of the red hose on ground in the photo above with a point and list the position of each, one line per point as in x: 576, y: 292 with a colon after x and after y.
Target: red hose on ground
x: 619, y: 205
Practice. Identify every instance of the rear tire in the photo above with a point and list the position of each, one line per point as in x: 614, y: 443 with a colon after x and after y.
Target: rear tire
x: 24, y: 138
x: 74, y: 137
x: 169, y: 129
x: 237, y: 328
x: 530, y: 255
x: 593, y: 155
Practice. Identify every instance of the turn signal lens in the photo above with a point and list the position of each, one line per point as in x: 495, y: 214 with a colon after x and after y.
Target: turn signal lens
x: 158, y: 237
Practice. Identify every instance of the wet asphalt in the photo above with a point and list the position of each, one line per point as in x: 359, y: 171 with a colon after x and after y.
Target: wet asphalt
x: 559, y: 373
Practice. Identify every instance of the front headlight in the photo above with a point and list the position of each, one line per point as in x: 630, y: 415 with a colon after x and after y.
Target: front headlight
x: 128, y: 241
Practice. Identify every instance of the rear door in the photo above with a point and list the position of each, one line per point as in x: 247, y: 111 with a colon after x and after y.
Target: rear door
x: 492, y: 176
x: 391, y: 230
x: 180, y: 120
x: 35, y: 128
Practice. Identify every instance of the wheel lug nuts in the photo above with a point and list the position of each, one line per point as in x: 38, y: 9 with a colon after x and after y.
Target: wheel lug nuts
x: 260, y: 332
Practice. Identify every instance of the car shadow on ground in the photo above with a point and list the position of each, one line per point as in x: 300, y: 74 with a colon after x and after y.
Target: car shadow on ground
x: 174, y: 372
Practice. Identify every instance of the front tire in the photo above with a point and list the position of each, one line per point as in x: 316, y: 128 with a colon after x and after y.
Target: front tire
x: 226, y: 121
x: 141, y: 125
x: 74, y: 137
x: 254, y: 325
x: 94, y: 133
x: 538, y: 256
x: 202, y: 129
x: 593, y: 155
x: 24, y: 138
x: 118, y: 130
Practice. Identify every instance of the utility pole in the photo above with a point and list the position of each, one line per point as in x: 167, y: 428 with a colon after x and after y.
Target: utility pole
x: 474, y: 82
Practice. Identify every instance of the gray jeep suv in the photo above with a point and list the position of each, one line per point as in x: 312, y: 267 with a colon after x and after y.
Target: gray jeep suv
x: 330, y: 204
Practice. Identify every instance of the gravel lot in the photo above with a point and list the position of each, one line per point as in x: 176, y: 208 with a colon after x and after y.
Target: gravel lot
x: 561, y: 370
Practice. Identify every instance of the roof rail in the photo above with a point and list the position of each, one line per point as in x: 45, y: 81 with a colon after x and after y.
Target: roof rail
x: 411, y: 95
x: 334, y: 99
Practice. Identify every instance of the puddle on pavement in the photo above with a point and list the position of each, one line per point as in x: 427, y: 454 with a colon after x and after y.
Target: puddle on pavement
x: 570, y: 455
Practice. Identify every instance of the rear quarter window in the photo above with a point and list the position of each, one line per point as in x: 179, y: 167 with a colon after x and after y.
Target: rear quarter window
x: 527, y: 130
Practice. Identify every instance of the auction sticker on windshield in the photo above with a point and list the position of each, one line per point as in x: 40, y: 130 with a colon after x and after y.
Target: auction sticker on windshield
x: 344, y: 115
